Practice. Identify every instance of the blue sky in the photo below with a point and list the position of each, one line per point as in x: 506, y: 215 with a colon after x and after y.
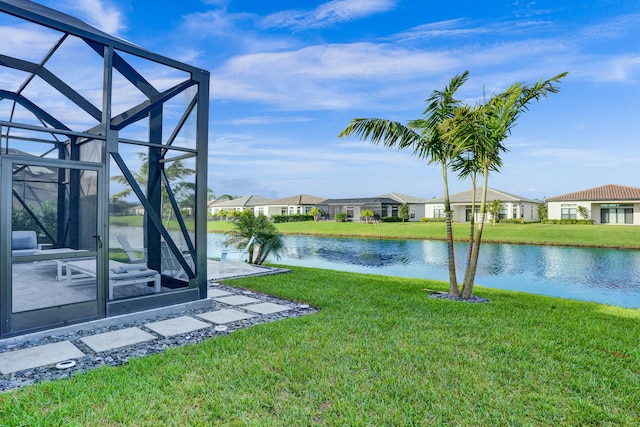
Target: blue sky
x: 286, y: 78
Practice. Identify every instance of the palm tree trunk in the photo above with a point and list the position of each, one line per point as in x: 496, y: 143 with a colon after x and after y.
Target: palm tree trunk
x: 453, y: 280
x: 473, y: 220
x: 470, y: 273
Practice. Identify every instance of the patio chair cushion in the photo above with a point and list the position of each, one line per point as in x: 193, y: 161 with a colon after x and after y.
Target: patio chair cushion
x: 121, y: 268
x: 21, y: 240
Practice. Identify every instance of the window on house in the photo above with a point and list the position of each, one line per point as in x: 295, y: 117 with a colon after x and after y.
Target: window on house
x: 568, y: 211
x: 284, y: 211
x: 438, y: 212
x: 412, y: 212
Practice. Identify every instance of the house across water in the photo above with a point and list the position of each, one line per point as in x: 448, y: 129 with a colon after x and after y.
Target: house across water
x: 609, y: 204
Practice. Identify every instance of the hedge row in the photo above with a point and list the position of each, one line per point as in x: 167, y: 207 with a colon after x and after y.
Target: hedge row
x: 567, y: 221
x: 291, y: 218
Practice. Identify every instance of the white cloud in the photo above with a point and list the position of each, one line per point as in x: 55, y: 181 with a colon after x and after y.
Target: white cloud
x: 264, y: 120
x: 28, y: 41
x: 465, y: 28
x: 100, y: 14
x: 328, y: 14
x: 300, y: 79
x: 586, y: 158
x: 620, y: 26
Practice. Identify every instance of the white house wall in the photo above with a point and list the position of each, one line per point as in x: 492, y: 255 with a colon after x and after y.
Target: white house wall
x: 526, y: 210
x: 554, y: 210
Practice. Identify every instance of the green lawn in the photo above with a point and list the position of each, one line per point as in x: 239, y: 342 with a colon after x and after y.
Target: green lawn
x: 379, y: 352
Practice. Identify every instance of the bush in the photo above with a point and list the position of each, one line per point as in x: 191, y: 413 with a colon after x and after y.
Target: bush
x: 512, y: 220
x: 443, y: 219
x: 341, y: 217
x: 390, y: 219
x: 567, y: 221
x: 291, y: 218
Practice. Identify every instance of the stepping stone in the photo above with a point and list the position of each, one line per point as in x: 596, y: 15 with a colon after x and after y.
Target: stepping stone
x: 267, y: 308
x: 212, y: 293
x: 177, y: 326
x: 34, y: 357
x: 117, y: 339
x: 224, y: 316
x: 236, y: 300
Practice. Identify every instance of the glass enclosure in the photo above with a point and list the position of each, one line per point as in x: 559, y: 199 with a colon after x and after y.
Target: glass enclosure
x: 103, y: 175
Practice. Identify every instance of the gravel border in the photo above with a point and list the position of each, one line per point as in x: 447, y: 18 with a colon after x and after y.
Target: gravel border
x: 444, y: 295
x: 122, y: 355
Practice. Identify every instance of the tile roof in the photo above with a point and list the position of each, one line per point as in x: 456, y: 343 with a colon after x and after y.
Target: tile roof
x: 300, y: 199
x: 606, y: 192
x: 465, y: 197
x: 403, y: 198
x: 245, y: 201
x: 356, y: 200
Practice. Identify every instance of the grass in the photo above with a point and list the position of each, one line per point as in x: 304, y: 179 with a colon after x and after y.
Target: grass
x: 624, y: 236
x: 379, y: 352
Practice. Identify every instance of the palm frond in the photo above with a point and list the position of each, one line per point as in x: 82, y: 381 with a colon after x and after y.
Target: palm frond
x: 389, y: 133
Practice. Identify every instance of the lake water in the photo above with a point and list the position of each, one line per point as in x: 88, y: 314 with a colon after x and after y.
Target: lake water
x: 608, y: 276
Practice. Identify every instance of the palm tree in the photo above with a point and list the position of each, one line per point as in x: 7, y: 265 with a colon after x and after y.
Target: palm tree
x: 317, y: 213
x: 483, y: 129
x: 367, y: 214
x: 175, y: 172
x: 267, y: 239
x: 424, y: 137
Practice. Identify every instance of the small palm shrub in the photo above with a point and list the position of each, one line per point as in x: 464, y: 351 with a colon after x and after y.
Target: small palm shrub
x: 341, y: 217
x: 267, y: 238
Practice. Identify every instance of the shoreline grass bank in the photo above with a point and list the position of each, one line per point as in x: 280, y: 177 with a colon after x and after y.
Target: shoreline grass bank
x: 379, y: 352
x: 595, y: 236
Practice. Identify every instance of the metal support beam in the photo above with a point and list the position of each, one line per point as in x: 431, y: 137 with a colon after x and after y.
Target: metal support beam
x: 142, y: 110
x: 54, y: 81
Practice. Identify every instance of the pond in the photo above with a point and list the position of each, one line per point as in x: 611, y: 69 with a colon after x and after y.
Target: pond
x: 608, y: 276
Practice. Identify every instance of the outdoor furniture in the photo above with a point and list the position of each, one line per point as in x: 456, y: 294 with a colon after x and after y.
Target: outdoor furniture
x: 120, y: 274
x: 241, y: 254
x: 59, y: 263
x: 24, y: 243
x: 170, y: 264
x: 131, y: 253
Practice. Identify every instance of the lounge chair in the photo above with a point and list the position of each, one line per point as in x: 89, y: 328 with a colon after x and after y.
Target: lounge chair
x: 120, y: 274
x: 170, y: 264
x: 131, y: 253
x: 241, y: 254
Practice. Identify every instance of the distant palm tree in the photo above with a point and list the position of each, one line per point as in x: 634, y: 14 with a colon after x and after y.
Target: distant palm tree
x: 317, y: 213
x: 367, y: 214
x: 176, y: 172
x: 424, y: 137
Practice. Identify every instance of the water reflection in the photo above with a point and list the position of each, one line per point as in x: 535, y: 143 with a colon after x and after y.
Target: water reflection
x: 607, y: 276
